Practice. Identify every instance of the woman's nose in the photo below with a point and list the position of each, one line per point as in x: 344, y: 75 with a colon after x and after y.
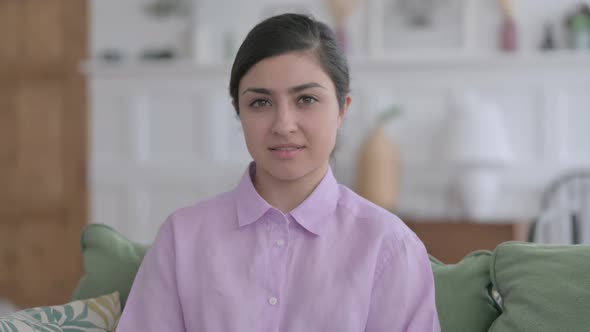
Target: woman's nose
x: 284, y: 120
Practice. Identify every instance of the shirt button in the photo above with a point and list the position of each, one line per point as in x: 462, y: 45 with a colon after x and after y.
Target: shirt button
x: 273, y: 300
x: 280, y: 243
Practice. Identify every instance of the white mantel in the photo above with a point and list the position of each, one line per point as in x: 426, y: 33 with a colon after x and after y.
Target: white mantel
x: 164, y: 134
x: 561, y: 59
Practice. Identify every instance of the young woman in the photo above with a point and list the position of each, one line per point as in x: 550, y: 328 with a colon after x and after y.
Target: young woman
x: 289, y: 249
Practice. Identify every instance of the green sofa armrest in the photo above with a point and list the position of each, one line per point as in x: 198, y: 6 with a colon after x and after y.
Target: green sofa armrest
x: 463, y: 297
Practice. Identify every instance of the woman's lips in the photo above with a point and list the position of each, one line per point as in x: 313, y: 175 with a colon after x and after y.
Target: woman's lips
x: 286, y: 152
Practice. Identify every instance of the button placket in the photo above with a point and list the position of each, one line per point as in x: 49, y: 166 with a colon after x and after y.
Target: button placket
x: 278, y: 242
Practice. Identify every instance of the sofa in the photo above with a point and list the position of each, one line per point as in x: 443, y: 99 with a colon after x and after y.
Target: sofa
x: 517, y: 287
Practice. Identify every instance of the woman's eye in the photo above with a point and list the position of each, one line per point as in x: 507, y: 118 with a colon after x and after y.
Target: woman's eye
x: 258, y: 103
x: 307, y: 100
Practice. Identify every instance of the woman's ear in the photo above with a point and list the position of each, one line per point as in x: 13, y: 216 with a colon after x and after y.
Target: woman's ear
x: 344, y: 110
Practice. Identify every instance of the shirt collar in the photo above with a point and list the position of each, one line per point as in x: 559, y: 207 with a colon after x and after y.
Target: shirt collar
x: 316, y: 210
x: 250, y: 205
x: 313, y: 213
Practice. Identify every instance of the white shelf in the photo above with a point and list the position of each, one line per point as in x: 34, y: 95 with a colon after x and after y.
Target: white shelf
x: 153, y: 67
x: 459, y: 59
x: 556, y: 59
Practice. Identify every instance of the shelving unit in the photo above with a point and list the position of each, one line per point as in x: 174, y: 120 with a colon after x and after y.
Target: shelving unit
x: 165, y: 134
x: 438, y: 59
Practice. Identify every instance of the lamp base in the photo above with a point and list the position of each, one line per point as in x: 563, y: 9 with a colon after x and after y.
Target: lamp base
x: 476, y: 191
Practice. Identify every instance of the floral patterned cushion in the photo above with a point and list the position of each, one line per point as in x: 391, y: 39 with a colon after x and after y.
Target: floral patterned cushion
x: 92, y: 315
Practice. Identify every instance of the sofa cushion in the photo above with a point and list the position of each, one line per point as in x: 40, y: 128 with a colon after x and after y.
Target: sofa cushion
x: 92, y: 315
x: 462, y: 293
x: 110, y: 263
x: 543, y: 287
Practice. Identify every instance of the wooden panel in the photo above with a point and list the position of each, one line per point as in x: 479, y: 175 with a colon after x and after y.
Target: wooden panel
x: 9, y: 260
x: 76, y: 115
x: 42, y: 259
x: 75, y: 160
x: 40, y: 107
x: 10, y: 25
x: 7, y: 121
x: 42, y: 149
x: 49, y: 246
x: 8, y: 149
x: 44, y: 31
x: 76, y: 28
x: 451, y: 241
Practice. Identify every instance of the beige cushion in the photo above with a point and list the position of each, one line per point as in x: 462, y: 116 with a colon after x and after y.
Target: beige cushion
x: 93, y: 315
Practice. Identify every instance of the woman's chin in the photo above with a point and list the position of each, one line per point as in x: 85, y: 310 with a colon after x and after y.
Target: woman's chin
x: 282, y: 171
x: 286, y: 174
x: 289, y: 171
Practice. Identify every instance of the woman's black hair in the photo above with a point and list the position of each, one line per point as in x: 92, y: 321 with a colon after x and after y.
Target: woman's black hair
x: 285, y: 33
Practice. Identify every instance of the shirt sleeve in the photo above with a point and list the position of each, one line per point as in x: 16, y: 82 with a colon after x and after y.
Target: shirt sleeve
x: 403, y: 297
x: 153, y: 303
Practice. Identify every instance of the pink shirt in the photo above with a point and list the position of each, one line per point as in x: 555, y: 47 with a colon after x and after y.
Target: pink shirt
x: 234, y: 263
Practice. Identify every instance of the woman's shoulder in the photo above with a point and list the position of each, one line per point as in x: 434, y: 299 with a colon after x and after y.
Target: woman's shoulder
x: 366, y: 214
x: 216, y: 207
x: 184, y: 227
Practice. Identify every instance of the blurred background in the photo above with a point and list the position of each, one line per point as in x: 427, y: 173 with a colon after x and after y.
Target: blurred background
x: 468, y: 118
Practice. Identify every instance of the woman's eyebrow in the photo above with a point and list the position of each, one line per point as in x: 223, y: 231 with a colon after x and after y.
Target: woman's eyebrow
x: 258, y: 90
x: 302, y: 87
x: 292, y: 90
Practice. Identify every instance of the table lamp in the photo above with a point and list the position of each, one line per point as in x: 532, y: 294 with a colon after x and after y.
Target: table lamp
x: 476, y: 146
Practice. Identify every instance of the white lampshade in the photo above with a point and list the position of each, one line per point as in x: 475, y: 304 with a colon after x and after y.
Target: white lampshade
x: 476, y: 135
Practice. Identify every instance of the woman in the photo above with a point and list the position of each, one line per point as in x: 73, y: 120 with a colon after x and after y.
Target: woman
x: 289, y: 249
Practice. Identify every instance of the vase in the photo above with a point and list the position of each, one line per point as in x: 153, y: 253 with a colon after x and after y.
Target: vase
x: 378, y: 170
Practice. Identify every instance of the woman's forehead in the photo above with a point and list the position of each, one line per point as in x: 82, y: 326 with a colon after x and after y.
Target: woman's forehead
x: 285, y: 71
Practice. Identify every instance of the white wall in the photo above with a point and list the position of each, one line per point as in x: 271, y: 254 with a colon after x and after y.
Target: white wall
x: 164, y: 136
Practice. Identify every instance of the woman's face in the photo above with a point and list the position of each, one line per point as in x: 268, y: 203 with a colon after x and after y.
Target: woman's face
x: 290, y: 115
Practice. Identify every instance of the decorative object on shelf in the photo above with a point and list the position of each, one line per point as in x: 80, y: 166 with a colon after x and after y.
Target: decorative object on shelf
x: 378, y: 178
x: 157, y: 54
x: 477, y: 148
x: 167, y: 8
x: 398, y: 26
x: 418, y: 13
x: 508, y: 30
x: 186, y: 10
x: 578, y: 26
x: 548, y: 42
x: 341, y: 10
x: 110, y: 55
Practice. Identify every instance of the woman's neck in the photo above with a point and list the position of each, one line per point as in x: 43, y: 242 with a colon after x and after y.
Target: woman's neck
x: 286, y: 195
